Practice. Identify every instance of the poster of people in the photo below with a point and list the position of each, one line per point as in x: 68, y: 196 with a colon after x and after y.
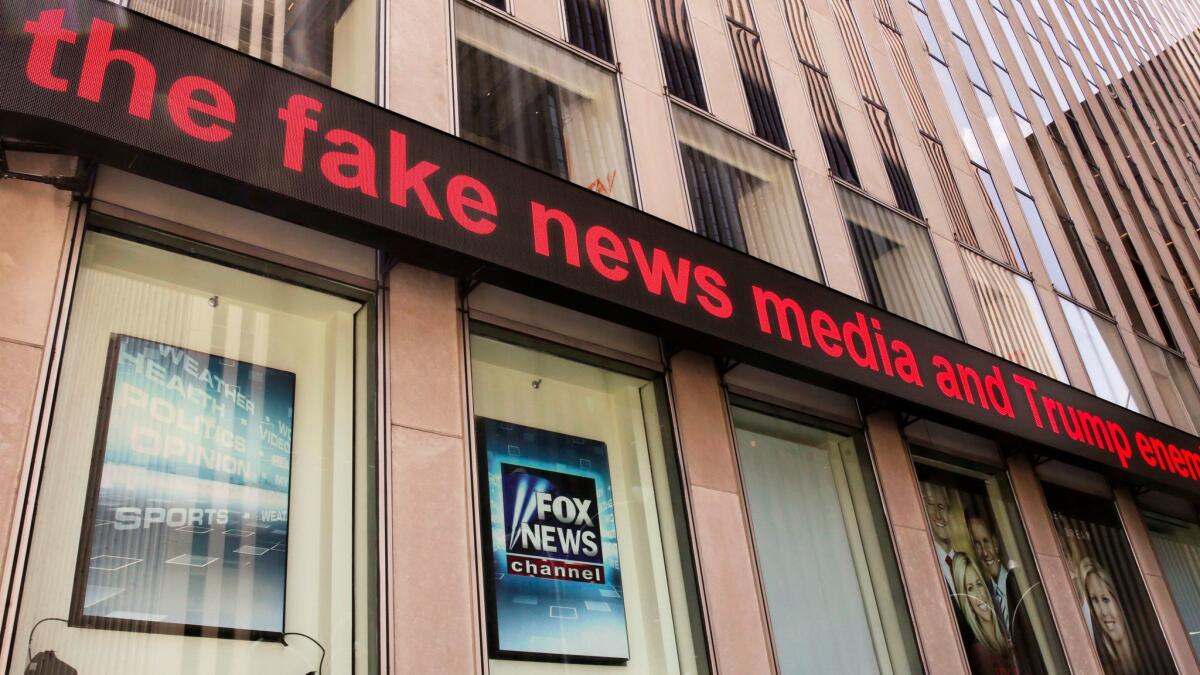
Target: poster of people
x: 1113, y: 600
x: 556, y: 589
x: 186, y: 527
x: 992, y: 596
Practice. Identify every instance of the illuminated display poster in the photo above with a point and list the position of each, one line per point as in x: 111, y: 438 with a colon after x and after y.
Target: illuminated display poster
x: 186, y: 527
x: 1114, y: 602
x: 556, y: 575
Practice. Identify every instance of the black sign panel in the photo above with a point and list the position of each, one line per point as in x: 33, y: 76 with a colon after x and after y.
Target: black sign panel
x: 151, y: 99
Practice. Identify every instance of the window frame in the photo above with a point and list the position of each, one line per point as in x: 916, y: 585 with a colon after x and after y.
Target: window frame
x: 175, y: 238
x: 923, y: 224
x: 501, y: 329
x: 788, y: 155
x: 613, y: 68
x: 857, y: 432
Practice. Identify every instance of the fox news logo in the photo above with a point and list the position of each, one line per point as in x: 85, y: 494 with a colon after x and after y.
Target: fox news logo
x: 551, y: 525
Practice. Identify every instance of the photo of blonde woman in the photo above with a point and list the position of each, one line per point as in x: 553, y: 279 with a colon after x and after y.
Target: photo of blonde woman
x: 1111, y: 593
x: 989, y: 648
x: 1109, y: 627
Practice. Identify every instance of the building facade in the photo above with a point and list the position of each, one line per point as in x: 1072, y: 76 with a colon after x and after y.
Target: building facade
x: 585, y: 336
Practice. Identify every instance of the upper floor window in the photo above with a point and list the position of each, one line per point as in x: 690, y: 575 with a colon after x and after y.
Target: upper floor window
x: 1014, y: 316
x: 331, y: 41
x: 540, y: 104
x: 1105, y: 358
x: 744, y: 195
x: 1173, y: 379
x: 899, y: 268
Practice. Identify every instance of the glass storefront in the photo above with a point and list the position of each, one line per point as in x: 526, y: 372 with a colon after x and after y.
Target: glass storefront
x: 989, y: 572
x: 828, y: 570
x: 1112, y: 596
x: 209, y: 472
x: 587, y: 561
x: 334, y: 42
x: 1177, y: 543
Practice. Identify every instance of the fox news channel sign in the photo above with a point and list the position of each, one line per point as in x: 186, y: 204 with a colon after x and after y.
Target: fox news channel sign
x: 556, y: 584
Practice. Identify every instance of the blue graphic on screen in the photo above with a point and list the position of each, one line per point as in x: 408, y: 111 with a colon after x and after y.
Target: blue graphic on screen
x: 189, y: 526
x: 557, y: 590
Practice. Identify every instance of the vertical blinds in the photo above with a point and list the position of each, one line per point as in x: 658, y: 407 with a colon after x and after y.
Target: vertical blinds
x: 956, y: 209
x: 1178, y: 552
x: 202, y: 17
x: 756, y: 80
x: 899, y: 269
x: 1105, y: 358
x: 587, y: 27
x: 1014, y: 316
x: 877, y: 114
x: 820, y: 93
x: 678, y: 52
x: 744, y: 195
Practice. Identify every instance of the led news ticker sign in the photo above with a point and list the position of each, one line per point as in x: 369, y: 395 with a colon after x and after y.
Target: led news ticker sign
x: 149, y: 98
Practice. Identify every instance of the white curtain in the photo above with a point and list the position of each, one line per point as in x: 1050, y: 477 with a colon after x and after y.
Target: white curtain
x: 811, y: 552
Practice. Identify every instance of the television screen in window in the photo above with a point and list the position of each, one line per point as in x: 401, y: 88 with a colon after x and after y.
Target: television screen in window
x: 555, y: 588
x: 186, y: 526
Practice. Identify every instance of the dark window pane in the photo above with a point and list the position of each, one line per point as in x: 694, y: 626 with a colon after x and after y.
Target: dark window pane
x: 756, y: 80
x: 678, y: 53
x: 587, y: 27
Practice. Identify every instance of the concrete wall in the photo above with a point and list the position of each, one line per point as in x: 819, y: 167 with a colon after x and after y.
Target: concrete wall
x: 35, y: 222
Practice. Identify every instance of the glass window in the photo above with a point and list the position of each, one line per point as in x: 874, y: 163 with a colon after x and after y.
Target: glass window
x: 1105, y: 359
x: 212, y: 435
x: 989, y: 572
x: 988, y: 107
x: 587, y: 557
x: 531, y: 100
x: 744, y: 195
x: 1174, y: 381
x: 1042, y: 238
x: 926, y: 28
x: 988, y: 43
x: 1015, y: 48
x: 958, y: 112
x: 1108, y: 584
x: 334, y: 42
x: 897, y: 262
x: 1014, y: 316
x: 972, y: 66
x: 951, y: 17
x: 989, y: 188
x: 832, y: 588
x: 1014, y: 101
x: 1177, y: 544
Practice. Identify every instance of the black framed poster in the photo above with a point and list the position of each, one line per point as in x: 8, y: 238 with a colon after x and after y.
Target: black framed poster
x: 555, y: 590
x: 186, y: 525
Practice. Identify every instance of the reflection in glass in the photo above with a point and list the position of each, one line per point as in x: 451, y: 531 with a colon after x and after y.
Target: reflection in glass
x: 1104, y: 357
x: 1175, y: 385
x: 1014, y: 316
x: 330, y: 41
x: 1177, y: 544
x: 531, y: 100
x: 988, y: 572
x: 204, y: 514
x: 832, y: 589
x: 744, y: 195
x: 897, y: 262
